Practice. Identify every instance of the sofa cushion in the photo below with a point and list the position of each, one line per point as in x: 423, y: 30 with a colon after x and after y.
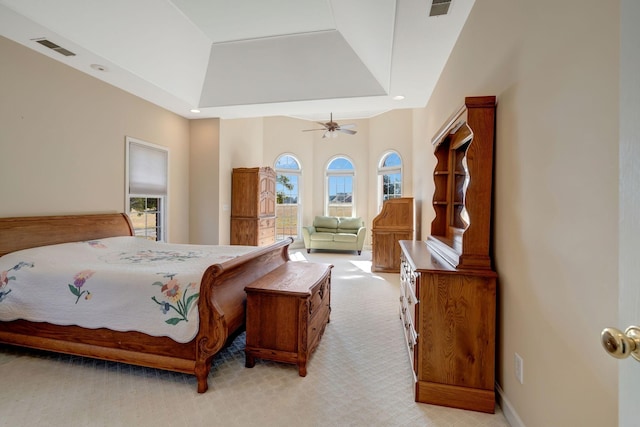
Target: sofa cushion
x: 326, y: 223
x: 353, y: 231
x: 345, y: 237
x: 347, y: 223
x: 325, y: 230
x: 322, y: 237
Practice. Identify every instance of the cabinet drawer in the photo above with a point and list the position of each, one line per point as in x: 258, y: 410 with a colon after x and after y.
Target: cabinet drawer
x: 412, y: 341
x: 267, y: 222
x: 408, y: 303
x: 407, y: 315
x: 266, y: 241
x: 410, y: 334
x: 319, y: 297
x: 266, y: 232
x: 316, y: 326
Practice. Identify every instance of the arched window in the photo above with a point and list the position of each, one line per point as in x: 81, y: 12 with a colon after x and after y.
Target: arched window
x: 389, y: 177
x: 288, y: 206
x: 339, y: 198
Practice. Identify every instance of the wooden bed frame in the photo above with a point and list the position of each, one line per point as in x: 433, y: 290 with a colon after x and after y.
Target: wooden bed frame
x: 221, y: 305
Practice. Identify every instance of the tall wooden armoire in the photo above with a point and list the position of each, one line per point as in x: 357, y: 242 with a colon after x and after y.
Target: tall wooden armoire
x: 253, y: 206
x: 447, y: 284
x: 395, y: 222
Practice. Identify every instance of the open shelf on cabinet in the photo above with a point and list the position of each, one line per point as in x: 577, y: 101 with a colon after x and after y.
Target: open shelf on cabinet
x: 463, y: 185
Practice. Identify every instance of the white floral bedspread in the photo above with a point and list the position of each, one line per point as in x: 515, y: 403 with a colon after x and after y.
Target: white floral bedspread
x: 120, y: 283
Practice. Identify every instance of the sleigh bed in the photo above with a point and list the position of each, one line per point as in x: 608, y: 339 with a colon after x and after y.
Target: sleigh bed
x: 220, y: 305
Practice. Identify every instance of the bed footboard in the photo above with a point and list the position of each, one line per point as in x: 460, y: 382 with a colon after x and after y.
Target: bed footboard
x: 223, y: 300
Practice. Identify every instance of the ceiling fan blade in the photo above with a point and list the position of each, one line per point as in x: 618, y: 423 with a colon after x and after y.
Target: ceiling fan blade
x: 330, y: 128
x: 347, y: 131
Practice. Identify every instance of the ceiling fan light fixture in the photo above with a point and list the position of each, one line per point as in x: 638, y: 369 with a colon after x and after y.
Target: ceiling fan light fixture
x: 332, y: 128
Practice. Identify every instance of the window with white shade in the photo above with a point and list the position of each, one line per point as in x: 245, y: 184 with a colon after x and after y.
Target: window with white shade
x: 147, y: 173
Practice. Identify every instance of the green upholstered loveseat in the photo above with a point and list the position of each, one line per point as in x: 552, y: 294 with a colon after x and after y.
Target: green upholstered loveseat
x: 335, y: 233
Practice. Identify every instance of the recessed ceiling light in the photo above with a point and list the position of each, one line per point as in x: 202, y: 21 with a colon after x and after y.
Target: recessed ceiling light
x: 398, y: 98
x: 194, y: 110
x: 99, y: 67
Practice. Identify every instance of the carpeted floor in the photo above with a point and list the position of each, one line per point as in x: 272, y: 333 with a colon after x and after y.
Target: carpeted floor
x: 359, y: 376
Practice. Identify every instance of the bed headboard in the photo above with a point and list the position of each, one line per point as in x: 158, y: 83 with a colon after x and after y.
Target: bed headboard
x: 28, y: 232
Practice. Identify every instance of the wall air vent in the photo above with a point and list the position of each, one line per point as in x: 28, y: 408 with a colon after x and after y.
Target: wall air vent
x: 53, y: 46
x: 439, y: 7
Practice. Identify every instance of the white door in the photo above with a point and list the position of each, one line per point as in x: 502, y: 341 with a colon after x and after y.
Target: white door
x: 629, y: 231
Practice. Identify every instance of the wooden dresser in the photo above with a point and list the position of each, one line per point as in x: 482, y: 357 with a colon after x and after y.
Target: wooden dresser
x: 287, y: 311
x: 253, y: 206
x: 395, y: 222
x: 447, y: 284
x: 449, y: 318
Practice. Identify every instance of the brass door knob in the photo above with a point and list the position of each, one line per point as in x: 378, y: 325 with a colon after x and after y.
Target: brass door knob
x: 622, y: 344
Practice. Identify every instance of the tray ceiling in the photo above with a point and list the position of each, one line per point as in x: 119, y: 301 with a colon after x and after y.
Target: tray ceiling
x: 250, y: 58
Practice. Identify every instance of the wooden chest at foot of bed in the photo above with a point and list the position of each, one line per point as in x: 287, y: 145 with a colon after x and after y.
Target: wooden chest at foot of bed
x: 287, y: 312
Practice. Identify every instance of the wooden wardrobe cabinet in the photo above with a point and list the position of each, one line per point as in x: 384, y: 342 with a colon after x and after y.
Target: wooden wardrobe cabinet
x: 253, y: 206
x: 395, y: 222
x: 447, y: 285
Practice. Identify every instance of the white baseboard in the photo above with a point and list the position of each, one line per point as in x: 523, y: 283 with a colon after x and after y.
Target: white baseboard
x: 507, y: 409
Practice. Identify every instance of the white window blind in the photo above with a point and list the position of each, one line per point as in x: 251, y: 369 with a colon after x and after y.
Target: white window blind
x: 147, y: 170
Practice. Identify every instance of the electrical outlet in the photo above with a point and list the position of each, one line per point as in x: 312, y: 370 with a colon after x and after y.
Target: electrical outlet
x: 519, y: 368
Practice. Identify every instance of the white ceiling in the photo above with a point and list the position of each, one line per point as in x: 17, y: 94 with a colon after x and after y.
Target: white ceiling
x: 250, y: 58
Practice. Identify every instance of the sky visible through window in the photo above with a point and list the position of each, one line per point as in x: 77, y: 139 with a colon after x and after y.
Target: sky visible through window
x: 283, y: 164
x: 392, y: 160
x: 340, y: 185
x: 287, y: 162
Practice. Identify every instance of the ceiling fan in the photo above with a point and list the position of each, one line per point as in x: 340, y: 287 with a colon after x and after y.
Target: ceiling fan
x: 331, y: 128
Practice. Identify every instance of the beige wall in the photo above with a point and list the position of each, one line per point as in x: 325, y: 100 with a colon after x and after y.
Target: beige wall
x: 423, y: 162
x: 241, y: 142
x: 354, y: 147
x: 284, y: 135
x: 554, y: 67
x: 374, y: 137
x: 204, y: 215
x: 62, y: 141
x: 390, y: 131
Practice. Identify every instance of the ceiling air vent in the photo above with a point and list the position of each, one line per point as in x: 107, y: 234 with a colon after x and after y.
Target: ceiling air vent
x: 51, y: 45
x: 439, y: 7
